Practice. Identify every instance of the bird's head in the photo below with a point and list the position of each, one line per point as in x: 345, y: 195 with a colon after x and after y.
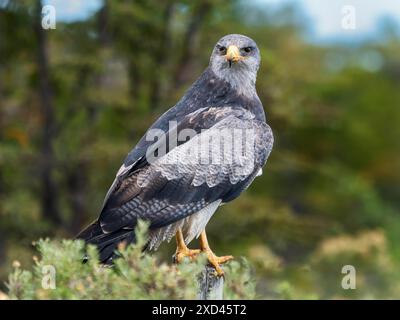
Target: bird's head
x: 236, y: 59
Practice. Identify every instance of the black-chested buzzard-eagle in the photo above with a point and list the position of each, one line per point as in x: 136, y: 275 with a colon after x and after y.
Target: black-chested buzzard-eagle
x: 201, y: 153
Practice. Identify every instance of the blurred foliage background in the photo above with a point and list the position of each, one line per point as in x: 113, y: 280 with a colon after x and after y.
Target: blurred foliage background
x: 75, y: 100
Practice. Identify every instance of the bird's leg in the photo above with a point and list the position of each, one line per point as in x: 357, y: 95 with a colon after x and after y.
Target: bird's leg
x: 182, y: 250
x: 212, y: 258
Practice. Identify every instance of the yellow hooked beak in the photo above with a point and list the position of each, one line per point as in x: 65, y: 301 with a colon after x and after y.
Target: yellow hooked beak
x: 233, y: 55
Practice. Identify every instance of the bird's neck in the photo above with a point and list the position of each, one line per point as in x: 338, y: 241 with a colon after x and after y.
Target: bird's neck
x: 211, y: 90
x: 241, y: 79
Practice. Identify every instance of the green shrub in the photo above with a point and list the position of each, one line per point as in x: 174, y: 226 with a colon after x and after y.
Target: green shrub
x: 134, y: 276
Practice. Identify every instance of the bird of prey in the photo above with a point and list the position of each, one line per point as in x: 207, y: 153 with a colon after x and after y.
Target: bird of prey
x: 203, y: 152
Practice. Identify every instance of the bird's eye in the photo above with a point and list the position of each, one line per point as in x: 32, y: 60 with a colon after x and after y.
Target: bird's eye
x: 247, y: 49
x: 221, y: 49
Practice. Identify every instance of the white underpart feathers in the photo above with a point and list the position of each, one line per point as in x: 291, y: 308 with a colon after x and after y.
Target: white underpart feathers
x: 191, y: 226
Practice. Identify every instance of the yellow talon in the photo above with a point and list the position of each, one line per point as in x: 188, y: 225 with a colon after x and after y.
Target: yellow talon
x: 182, y: 254
x: 182, y: 251
x: 214, y: 260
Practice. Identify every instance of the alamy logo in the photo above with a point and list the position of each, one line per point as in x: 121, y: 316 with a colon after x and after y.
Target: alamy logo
x: 49, y: 277
x: 48, y: 17
x: 348, y: 17
x: 217, y: 146
x: 349, y: 280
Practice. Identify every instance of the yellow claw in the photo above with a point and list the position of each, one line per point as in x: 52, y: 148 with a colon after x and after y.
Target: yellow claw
x: 180, y: 255
x: 182, y: 251
x: 214, y: 260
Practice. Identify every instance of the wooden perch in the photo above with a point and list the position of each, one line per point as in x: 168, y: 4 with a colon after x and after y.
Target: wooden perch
x: 211, y: 286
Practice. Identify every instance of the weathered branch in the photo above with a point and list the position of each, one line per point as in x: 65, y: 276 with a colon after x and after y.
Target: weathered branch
x: 211, y: 286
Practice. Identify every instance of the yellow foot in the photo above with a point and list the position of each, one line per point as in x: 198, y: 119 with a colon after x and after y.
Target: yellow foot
x: 212, y: 258
x: 217, y: 261
x: 182, y: 253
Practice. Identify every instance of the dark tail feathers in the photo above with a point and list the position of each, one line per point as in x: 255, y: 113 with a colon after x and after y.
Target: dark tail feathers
x: 107, y: 243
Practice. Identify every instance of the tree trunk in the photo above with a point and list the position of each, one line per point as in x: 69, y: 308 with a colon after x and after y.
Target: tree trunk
x: 161, y: 56
x: 48, y: 185
x: 185, y: 67
x: 103, y: 24
x: 77, y: 190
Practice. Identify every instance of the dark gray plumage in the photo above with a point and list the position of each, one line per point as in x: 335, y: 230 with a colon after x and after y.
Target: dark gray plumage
x: 185, y: 193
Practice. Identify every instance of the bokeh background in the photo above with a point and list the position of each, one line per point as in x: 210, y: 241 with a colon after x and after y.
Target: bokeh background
x: 75, y: 100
